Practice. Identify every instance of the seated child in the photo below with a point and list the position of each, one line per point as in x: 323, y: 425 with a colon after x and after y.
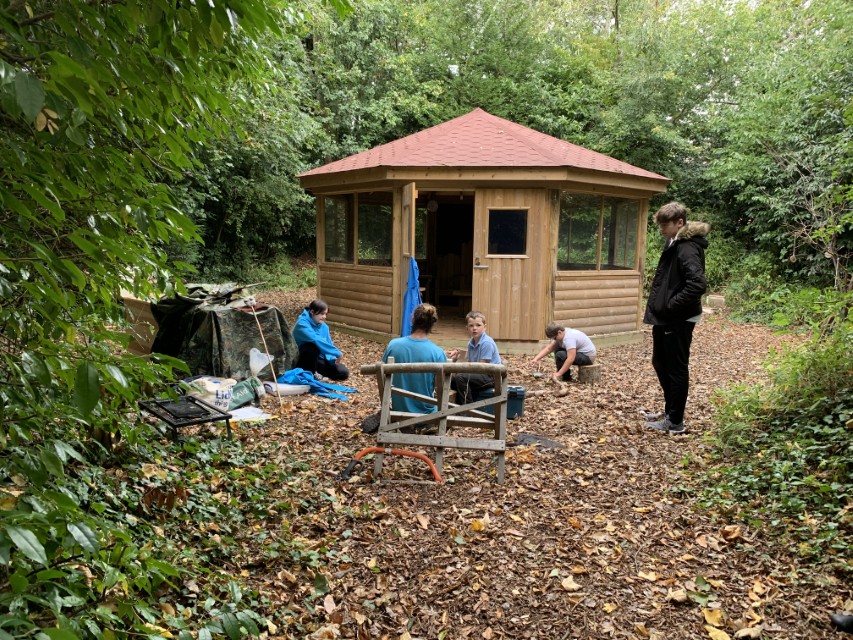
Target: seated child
x: 481, y: 348
x: 317, y: 352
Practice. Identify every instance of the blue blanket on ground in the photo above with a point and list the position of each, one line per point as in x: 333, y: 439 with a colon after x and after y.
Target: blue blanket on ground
x: 325, y: 389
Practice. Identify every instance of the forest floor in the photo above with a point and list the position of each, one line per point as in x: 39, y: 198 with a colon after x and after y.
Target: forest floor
x: 602, y: 538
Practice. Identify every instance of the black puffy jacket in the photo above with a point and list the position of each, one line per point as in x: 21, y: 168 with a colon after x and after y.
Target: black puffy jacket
x: 679, y: 282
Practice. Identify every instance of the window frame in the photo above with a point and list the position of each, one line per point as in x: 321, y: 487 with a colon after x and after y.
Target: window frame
x: 526, y: 253
x: 353, y: 201
x: 602, y: 202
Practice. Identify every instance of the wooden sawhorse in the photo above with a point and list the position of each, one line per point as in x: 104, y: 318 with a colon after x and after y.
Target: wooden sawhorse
x: 448, y: 415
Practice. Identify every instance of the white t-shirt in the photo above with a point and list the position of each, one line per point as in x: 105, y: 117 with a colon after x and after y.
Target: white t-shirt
x: 574, y: 339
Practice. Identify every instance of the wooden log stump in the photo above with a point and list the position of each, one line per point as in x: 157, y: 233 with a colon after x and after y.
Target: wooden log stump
x: 590, y: 374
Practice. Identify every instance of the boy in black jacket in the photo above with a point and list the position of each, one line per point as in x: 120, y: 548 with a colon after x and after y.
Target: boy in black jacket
x: 674, y: 308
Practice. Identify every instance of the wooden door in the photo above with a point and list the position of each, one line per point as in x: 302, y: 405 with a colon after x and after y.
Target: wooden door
x: 512, y: 268
x: 404, y: 243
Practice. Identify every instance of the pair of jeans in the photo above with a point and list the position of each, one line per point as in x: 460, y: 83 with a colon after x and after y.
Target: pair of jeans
x: 581, y: 359
x: 671, y: 359
x: 311, y: 360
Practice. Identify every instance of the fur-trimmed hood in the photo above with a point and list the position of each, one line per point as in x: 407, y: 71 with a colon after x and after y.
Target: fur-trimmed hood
x: 693, y: 229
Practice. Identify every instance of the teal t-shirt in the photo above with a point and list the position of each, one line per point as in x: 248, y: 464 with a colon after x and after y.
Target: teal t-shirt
x: 410, y: 349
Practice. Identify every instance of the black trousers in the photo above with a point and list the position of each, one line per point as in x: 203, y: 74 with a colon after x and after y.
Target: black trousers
x: 468, y: 385
x: 581, y: 359
x: 311, y: 360
x: 671, y: 358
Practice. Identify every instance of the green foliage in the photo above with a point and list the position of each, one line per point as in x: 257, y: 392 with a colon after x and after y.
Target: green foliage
x: 282, y: 273
x: 244, y: 196
x: 785, y: 449
x: 783, y: 152
x: 102, y: 106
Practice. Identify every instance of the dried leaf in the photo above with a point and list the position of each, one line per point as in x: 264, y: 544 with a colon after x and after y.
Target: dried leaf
x: 423, y: 521
x: 569, y: 584
x: 749, y: 632
x: 731, y: 532
x: 651, y: 576
x: 717, y: 634
x: 677, y: 595
x: 329, y: 604
x: 713, y: 616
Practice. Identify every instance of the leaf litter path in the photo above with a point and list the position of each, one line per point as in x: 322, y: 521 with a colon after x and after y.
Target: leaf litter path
x: 600, y: 539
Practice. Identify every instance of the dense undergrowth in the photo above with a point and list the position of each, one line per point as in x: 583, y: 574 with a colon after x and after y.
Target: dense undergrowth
x: 783, y: 450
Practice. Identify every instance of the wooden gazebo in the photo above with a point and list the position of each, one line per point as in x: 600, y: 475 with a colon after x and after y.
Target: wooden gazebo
x: 522, y: 226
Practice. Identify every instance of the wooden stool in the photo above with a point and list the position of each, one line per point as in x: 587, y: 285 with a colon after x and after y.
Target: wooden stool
x: 589, y: 374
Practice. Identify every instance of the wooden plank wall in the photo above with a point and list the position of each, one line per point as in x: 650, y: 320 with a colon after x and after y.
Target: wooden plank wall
x: 358, y: 296
x: 598, y: 303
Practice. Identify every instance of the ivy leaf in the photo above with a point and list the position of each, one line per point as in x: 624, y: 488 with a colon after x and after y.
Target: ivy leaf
x: 84, y: 536
x: 28, y: 544
x: 86, y: 387
x: 29, y: 94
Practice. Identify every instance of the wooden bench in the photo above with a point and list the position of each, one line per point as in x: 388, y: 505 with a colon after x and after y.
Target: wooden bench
x: 448, y: 415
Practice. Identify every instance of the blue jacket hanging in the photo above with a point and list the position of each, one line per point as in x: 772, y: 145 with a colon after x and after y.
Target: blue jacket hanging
x: 412, y: 298
x: 325, y: 389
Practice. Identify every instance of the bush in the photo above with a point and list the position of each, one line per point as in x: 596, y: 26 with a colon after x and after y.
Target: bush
x: 786, y: 448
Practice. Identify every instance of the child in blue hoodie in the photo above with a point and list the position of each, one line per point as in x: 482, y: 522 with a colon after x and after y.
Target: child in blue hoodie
x: 317, y: 352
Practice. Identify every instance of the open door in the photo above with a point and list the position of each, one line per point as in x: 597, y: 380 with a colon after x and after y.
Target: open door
x: 511, y: 279
x: 404, y: 240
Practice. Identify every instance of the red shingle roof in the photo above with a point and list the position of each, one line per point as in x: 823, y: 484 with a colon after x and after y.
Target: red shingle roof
x: 479, y: 139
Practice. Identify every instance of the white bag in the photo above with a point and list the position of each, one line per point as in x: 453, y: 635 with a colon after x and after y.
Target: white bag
x: 215, y: 391
x: 259, y: 361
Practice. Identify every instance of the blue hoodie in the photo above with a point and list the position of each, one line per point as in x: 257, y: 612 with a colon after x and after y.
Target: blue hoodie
x: 306, y: 330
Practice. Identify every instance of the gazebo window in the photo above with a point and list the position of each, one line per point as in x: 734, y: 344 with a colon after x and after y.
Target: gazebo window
x: 338, y: 229
x: 508, y: 232
x: 597, y: 233
x: 375, y: 222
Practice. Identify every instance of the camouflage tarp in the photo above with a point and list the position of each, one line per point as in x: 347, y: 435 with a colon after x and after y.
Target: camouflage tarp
x: 214, y: 336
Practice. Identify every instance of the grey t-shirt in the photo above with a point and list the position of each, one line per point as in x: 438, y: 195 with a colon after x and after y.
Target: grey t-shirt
x: 574, y: 339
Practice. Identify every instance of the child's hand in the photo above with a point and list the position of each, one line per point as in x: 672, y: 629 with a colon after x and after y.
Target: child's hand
x: 453, y: 354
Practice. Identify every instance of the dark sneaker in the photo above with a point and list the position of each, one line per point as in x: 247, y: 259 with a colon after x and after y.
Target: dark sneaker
x: 666, y: 426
